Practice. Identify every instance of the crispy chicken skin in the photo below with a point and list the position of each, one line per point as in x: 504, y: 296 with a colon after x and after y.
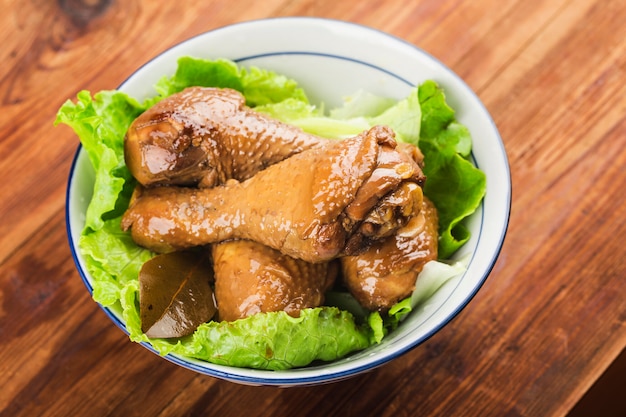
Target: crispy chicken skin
x: 251, y: 278
x: 315, y: 205
x: 205, y: 136
x: 387, y: 271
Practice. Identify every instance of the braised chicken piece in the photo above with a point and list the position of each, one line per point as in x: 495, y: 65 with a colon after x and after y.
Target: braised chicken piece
x: 251, y: 278
x: 387, y: 271
x: 315, y: 205
x: 412, y: 152
x: 205, y: 136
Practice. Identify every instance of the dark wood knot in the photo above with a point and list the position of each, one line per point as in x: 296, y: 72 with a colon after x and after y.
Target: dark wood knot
x: 81, y: 12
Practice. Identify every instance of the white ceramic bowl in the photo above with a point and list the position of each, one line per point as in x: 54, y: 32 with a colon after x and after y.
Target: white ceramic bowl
x: 332, y: 59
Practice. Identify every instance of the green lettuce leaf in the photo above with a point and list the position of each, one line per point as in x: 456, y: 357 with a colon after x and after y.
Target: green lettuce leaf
x: 312, y: 119
x: 219, y: 73
x: 453, y: 183
x: 100, y: 123
x: 361, y: 104
x: 405, y: 118
x: 111, y: 256
x: 113, y: 259
x: 259, y: 86
x: 278, y: 341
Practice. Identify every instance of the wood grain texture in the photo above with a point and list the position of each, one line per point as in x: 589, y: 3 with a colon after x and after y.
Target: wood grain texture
x: 544, y: 327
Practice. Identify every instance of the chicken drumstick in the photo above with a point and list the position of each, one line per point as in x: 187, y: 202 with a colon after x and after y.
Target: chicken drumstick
x: 346, y: 193
x: 205, y: 136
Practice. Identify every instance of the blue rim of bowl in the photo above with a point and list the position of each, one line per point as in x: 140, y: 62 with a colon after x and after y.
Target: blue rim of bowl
x: 330, y: 376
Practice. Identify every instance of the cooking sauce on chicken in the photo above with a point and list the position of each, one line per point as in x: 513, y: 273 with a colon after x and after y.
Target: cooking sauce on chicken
x: 387, y: 271
x: 252, y: 278
x: 205, y: 136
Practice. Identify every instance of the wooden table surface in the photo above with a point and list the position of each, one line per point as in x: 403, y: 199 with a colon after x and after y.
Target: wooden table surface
x: 548, y: 322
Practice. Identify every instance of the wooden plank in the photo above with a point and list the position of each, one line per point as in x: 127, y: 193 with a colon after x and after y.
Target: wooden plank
x: 548, y: 322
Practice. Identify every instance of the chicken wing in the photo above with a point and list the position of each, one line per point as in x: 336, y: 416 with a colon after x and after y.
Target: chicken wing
x: 387, y: 271
x: 251, y: 278
x: 314, y: 206
x: 205, y: 136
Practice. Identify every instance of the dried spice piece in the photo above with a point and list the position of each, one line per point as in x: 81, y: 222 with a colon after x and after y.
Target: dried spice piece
x: 175, y: 295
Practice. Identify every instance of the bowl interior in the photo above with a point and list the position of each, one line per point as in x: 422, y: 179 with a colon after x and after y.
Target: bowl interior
x: 332, y: 59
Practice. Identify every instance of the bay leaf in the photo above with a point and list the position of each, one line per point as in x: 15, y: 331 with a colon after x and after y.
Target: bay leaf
x: 175, y: 295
